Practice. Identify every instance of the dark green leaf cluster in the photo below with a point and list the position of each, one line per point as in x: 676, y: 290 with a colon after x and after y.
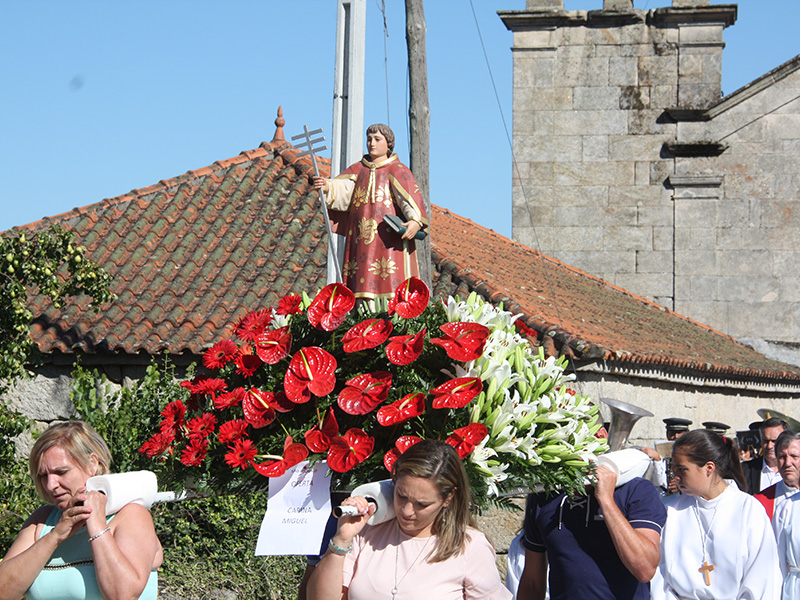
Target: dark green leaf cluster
x: 48, y: 263
x: 17, y: 494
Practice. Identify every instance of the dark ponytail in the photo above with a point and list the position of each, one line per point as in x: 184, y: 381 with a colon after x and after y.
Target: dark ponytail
x: 702, y: 445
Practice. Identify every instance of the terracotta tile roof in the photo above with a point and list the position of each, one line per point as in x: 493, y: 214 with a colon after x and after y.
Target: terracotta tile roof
x: 193, y: 254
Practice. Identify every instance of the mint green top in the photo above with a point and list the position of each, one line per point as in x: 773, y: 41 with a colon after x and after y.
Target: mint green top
x: 69, y: 575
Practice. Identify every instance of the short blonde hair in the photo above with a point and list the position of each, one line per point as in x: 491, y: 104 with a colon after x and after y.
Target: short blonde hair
x: 79, y: 441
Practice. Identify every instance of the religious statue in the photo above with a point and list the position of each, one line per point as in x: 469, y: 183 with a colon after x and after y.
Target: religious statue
x: 376, y: 199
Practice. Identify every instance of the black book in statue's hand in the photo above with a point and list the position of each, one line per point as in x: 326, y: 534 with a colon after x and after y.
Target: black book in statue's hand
x: 395, y: 223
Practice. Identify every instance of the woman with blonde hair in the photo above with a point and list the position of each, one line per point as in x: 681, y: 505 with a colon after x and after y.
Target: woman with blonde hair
x: 429, y: 550
x: 68, y: 549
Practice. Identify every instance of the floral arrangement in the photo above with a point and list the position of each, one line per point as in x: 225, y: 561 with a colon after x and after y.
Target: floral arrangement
x: 323, y: 379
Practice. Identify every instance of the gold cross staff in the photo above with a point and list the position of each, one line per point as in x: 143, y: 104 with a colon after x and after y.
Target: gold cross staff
x: 706, y: 571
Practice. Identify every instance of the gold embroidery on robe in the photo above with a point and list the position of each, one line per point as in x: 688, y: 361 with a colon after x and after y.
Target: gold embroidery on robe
x: 367, y: 230
x: 383, y: 267
x: 350, y: 268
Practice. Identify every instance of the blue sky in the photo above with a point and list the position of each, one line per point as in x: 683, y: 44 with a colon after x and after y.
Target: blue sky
x: 104, y: 96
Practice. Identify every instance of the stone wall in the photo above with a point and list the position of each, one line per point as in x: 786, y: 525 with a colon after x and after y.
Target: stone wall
x: 629, y: 165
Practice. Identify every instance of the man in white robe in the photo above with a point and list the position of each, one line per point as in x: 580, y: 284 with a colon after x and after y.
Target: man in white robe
x: 740, y: 559
x: 786, y: 520
x: 787, y: 451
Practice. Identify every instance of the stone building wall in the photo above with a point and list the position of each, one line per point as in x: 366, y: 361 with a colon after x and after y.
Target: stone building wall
x: 614, y: 173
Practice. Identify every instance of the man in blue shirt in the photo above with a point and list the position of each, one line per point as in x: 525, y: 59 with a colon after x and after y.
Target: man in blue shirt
x: 600, y: 546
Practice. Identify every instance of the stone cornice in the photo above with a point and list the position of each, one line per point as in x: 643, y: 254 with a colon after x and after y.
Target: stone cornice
x: 695, y: 15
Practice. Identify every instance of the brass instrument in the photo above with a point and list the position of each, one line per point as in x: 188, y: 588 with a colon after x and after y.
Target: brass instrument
x: 623, y: 418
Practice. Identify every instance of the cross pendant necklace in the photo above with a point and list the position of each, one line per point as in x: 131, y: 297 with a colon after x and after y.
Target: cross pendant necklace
x: 706, y: 568
x: 706, y: 571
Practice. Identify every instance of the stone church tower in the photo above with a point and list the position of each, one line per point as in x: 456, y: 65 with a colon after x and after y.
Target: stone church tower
x: 630, y: 165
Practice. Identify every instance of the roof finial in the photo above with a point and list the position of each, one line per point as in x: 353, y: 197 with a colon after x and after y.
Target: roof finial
x: 279, y: 123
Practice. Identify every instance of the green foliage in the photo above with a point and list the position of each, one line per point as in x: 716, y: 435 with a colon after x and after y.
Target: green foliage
x: 17, y: 493
x: 209, y: 544
x: 48, y: 263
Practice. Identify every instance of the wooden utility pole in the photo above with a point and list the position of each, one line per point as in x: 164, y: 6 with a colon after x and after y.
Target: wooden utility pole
x: 419, y: 113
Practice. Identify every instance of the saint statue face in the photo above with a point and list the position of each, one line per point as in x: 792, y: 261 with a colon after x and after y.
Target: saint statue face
x: 377, y: 146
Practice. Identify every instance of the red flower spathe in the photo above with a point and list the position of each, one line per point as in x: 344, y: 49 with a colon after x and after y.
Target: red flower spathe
x: 367, y: 334
x: 257, y: 407
x: 293, y: 453
x: 318, y: 439
x: 403, y: 443
x: 457, y: 392
x: 350, y: 449
x: 408, y: 407
x: 330, y: 307
x: 410, y: 298
x: 466, y: 438
x: 405, y: 349
x: 464, y: 341
x: 364, y: 392
x: 311, y: 371
x: 273, y: 346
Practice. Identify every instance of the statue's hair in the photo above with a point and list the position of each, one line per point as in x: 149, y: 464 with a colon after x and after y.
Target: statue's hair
x: 386, y: 132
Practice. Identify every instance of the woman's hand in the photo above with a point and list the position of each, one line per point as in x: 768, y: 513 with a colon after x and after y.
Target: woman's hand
x: 349, y: 527
x: 73, y: 517
x: 320, y: 183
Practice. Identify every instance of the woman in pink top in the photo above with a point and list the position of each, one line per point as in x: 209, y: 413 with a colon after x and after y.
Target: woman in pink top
x: 430, y: 550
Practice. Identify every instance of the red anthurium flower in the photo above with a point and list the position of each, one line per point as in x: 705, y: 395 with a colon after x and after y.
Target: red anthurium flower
x: 310, y: 372
x: 280, y: 402
x: 330, y: 307
x: 464, y: 341
x: 173, y: 414
x: 293, y: 453
x: 241, y: 454
x: 466, y: 438
x: 410, y: 298
x: 408, y: 407
x: 257, y: 408
x: 158, y: 445
x: 253, y: 324
x: 220, y: 354
x: 229, y: 399
x: 405, y: 349
x: 273, y: 346
x: 247, y: 363
x: 289, y: 305
x: 457, y: 392
x: 350, y: 449
x: 201, y: 427
x: 318, y: 439
x: 194, y: 453
x: 367, y: 334
x: 364, y: 392
x: 403, y: 443
x: 231, y: 431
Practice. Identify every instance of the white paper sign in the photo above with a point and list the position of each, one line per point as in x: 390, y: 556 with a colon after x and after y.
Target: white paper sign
x: 297, y: 510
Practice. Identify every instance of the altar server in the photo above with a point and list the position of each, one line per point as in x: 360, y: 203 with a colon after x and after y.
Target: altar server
x: 717, y: 542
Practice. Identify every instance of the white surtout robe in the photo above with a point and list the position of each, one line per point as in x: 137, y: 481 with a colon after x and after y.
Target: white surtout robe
x: 786, y: 522
x: 740, y: 545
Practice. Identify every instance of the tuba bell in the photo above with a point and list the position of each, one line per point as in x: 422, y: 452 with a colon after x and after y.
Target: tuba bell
x: 623, y: 418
